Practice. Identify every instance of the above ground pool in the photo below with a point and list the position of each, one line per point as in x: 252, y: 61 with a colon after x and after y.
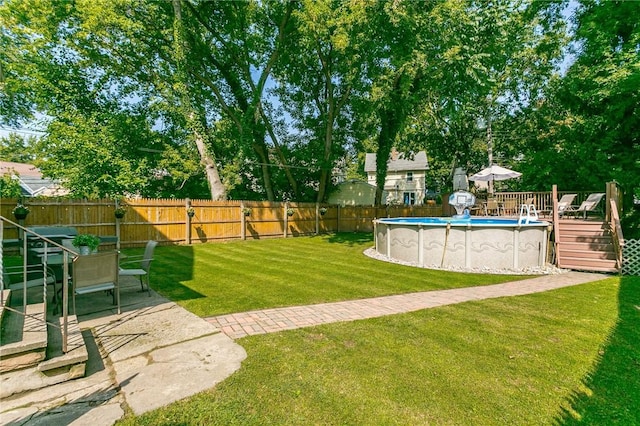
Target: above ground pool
x: 476, y: 242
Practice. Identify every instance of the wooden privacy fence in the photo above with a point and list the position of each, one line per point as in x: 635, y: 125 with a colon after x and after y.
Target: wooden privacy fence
x: 174, y: 221
x: 168, y: 222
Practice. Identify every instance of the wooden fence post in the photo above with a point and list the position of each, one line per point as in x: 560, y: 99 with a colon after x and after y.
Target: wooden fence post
x: 243, y: 223
x: 117, y: 228
x: 188, y: 221
x: 286, y: 217
x: 556, y: 221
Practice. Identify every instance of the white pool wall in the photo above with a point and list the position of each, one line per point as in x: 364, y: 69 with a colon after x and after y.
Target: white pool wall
x: 494, y: 244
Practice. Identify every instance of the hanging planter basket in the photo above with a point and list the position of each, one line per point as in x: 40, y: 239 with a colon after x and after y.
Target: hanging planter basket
x: 119, y: 212
x: 191, y: 212
x: 20, y: 212
x: 290, y: 212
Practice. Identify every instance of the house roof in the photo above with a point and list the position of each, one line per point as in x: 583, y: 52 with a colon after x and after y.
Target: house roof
x: 31, y: 180
x: 22, y: 169
x: 398, y: 162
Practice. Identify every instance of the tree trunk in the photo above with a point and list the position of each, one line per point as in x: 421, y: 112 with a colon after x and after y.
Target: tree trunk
x: 260, y: 148
x: 325, y: 172
x: 385, y: 143
x: 218, y: 191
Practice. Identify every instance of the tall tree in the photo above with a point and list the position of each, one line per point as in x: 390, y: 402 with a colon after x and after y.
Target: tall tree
x: 193, y: 116
x: 17, y: 149
x: 602, y: 92
x: 495, y: 60
x: 323, y: 66
x: 585, y: 132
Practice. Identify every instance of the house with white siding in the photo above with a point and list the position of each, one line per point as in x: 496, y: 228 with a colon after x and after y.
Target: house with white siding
x: 406, y: 177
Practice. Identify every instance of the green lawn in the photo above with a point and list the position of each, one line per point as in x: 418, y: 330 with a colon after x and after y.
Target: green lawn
x: 568, y: 356
x: 214, y: 279
x: 563, y: 357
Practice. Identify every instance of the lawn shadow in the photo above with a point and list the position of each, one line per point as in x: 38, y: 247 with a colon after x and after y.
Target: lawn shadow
x: 172, y: 266
x: 614, y: 384
x: 350, y: 238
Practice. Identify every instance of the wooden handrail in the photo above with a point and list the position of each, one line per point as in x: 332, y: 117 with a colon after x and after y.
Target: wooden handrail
x: 616, y: 231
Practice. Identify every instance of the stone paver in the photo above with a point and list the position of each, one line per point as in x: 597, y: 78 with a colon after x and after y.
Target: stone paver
x: 279, y: 319
x: 151, y: 355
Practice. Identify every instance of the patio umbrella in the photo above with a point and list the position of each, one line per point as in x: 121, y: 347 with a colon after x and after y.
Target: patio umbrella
x: 493, y: 173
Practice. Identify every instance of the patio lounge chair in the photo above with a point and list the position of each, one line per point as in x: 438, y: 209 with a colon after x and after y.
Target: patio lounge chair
x: 590, y: 204
x: 564, y: 205
x: 96, y: 272
x: 144, y: 263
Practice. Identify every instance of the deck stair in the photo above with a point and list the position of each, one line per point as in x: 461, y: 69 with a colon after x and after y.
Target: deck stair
x: 31, y: 354
x: 586, y: 245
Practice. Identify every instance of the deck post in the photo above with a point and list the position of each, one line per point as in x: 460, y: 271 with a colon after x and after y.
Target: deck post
x: 556, y: 222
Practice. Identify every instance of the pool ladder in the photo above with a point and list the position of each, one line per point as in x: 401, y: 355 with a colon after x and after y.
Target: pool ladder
x: 527, y: 213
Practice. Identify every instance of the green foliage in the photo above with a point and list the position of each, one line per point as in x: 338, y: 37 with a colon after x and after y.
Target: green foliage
x: 17, y: 149
x: 267, y: 97
x: 630, y: 222
x: 587, y: 131
x: 9, y: 187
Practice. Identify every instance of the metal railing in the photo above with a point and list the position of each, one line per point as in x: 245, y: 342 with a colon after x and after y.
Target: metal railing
x: 47, y: 243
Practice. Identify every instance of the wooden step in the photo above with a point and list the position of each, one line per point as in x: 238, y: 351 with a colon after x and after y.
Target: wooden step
x: 28, y: 348
x: 586, y: 245
x: 585, y: 239
x: 583, y: 227
x: 585, y: 232
x: 586, y: 254
x: 582, y: 264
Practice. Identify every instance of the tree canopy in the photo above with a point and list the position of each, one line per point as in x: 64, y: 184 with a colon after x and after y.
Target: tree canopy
x: 269, y: 99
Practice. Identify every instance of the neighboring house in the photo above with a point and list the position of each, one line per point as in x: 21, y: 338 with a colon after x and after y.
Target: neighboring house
x: 405, y: 182
x: 353, y: 192
x: 31, y: 181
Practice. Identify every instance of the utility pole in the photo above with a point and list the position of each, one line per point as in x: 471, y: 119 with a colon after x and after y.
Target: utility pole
x: 490, y: 150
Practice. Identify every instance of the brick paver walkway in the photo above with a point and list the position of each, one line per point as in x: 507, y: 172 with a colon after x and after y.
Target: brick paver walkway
x: 279, y: 319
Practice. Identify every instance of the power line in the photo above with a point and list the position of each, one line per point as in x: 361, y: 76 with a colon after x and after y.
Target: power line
x: 24, y: 131
x: 283, y: 166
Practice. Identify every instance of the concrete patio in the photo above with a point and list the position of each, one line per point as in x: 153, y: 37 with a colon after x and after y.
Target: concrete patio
x: 151, y: 355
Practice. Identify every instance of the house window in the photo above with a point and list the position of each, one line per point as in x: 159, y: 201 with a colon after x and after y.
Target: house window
x: 409, y: 198
x: 409, y: 176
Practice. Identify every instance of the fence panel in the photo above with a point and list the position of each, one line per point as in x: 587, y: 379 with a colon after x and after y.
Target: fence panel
x: 167, y: 221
